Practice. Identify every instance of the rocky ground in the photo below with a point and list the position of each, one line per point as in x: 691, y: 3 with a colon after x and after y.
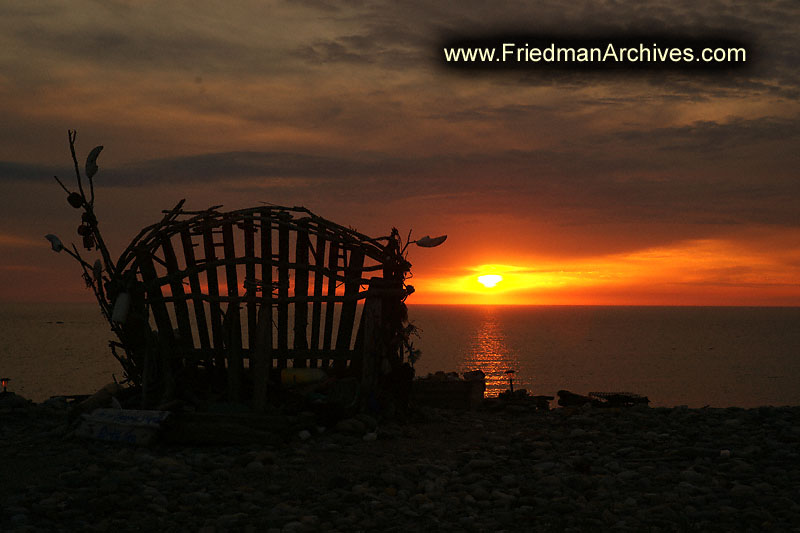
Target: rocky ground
x: 512, y: 469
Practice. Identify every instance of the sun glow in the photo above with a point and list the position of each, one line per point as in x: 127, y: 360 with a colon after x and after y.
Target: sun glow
x: 694, y: 272
x: 490, y: 280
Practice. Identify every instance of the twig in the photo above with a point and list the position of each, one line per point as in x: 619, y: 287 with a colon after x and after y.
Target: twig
x: 127, y: 365
x: 72, y: 134
x: 408, y: 241
x: 99, y: 241
x: 87, y: 268
x: 77, y: 257
x: 62, y: 185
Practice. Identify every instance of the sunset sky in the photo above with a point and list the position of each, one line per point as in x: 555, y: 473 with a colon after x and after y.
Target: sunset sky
x: 577, y: 187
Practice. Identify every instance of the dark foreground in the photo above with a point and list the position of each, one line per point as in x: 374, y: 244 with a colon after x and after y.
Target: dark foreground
x: 634, y: 469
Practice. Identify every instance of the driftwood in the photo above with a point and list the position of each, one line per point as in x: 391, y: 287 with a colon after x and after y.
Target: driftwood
x: 601, y: 399
x: 619, y: 399
x: 570, y: 399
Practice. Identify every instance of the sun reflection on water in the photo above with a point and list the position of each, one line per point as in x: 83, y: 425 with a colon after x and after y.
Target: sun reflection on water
x: 487, y: 351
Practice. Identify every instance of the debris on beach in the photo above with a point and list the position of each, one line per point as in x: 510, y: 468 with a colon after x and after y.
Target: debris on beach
x: 129, y: 426
x: 522, y: 399
x: 601, y: 399
x: 450, y: 390
x: 510, y: 373
x: 619, y: 399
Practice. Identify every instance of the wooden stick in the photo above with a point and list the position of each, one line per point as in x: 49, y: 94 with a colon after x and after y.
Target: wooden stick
x: 266, y: 276
x: 213, y: 298
x: 197, y: 292
x: 233, y: 351
x: 301, y: 295
x: 250, y: 274
x: 176, y: 285
x: 233, y: 323
x: 330, y: 307
x: 283, y: 288
x: 351, y: 287
x: 316, y: 312
x: 261, y: 358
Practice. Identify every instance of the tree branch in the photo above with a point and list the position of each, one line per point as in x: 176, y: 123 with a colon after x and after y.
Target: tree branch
x: 72, y: 134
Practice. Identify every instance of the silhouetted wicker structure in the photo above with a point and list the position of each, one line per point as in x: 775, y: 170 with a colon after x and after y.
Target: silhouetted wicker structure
x: 213, y: 306
x: 210, y: 297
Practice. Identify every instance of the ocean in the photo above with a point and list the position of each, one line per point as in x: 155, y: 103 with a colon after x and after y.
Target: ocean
x: 694, y: 356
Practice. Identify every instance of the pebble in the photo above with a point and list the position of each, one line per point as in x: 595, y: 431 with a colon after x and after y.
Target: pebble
x: 481, y: 463
x: 588, y: 469
x: 255, y: 466
x: 351, y: 426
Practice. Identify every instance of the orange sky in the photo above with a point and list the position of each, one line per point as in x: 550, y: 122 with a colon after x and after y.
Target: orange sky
x: 704, y: 272
x: 659, y: 188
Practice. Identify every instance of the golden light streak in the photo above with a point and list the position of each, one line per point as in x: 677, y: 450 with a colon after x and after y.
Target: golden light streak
x: 698, y: 272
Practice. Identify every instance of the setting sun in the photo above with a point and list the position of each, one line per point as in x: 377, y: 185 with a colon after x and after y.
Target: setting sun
x: 490, y: 280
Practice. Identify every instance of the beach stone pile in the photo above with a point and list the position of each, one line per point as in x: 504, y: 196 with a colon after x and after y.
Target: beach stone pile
x: 500, y: 469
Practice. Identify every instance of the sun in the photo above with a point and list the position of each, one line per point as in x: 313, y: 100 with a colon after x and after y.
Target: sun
x: 490, y: 280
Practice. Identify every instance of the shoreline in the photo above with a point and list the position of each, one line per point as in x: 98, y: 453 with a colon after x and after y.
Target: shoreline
x: 630, y: 469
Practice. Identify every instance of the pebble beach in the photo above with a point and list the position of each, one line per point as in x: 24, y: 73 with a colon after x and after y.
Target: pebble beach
x: 497, y: 468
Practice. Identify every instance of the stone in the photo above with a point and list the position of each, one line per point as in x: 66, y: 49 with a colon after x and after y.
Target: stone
x: 168, y: 463
x: 351, y: 426
x: 481, y: 463
x: 294, y: 525
x: 509, y: 480
x: 369, y: 421
x: 691, y: 475
x: 255, y: 466
x: 500, y: 495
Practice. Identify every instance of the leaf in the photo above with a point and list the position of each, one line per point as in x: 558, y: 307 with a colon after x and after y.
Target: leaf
x: 97, y: 270
x: 55, y: 242
x: 428, y: 242
x: 91, y: 161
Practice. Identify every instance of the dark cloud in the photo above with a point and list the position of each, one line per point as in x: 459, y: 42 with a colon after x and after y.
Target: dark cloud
x: 584, y: 190
x: 505, y: 112
x: 222, y: 167
x: 144, y: 49
x: 388, y: 36
x: 332, y: 52
x: 10, y: 171
x: 381, y: 41
x: 711, y: 136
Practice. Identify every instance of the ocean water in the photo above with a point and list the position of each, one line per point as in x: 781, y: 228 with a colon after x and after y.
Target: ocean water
x: 695, y: 356
x: 53, y: 349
